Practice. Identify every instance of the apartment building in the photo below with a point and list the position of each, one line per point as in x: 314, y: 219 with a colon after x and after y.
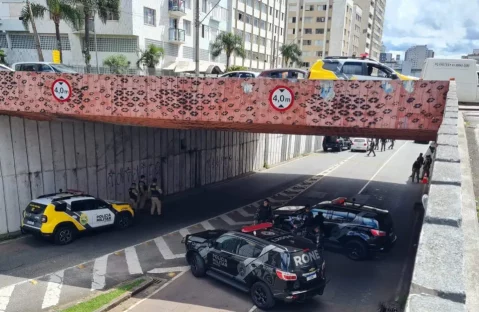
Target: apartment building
x: 372, y: 26
x: 416, y: 55
x: 169, y: 24
x: 262, y: 25
x: 324, y: 28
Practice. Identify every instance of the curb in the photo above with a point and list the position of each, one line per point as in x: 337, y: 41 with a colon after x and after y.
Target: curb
x: 147, y: 283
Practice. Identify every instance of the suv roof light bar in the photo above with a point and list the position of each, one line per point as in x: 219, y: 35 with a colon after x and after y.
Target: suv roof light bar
x: 256, y: 227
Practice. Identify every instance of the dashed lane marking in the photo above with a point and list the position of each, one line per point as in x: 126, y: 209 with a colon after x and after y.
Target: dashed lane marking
x: 54, y: 289
x: 244, y: 213
x: 184, y: 232
x: 207, y: 225
x: 132, y: 261
x: 232, y: 222
x: 165, y: 250
x: 5, y: 294
x: 168, y: 270
x: 99, y: 272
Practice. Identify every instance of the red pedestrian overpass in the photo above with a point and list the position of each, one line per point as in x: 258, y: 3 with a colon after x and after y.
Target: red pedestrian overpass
x: 391, y: 109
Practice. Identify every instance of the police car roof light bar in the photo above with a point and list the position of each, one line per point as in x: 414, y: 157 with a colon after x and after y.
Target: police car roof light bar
x: 256, y: 227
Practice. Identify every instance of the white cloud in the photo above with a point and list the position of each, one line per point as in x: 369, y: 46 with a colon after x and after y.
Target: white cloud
x: 449, y: 27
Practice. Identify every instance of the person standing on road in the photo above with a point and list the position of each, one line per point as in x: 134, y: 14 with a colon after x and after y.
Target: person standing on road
x: 377, y: 143
x: 264, y: 213
x: 383, y: 145
x: 427, y: 166
x: 391, y: 146
x: 421, y: 159
x: 155, y: 194
x: 416, y: 167
x: 133, y: 193
x: 371, y: 148
x: 143, y: 190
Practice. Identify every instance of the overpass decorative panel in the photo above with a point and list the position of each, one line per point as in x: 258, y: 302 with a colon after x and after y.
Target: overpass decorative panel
x: 397, y: 109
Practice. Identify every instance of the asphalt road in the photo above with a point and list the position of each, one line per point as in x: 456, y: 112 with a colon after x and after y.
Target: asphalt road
x: 354, y: 286
x: 101, y: 260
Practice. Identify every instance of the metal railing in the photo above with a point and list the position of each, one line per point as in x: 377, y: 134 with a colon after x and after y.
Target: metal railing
x: 176, y: 34
x: 176, y: 6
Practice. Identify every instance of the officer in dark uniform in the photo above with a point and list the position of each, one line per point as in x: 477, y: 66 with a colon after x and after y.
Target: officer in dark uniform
x: 155, y: 194
x: 264, y: 213
x: 133, y: 192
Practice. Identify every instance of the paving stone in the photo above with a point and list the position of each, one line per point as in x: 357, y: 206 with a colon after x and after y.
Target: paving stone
x: 448, y: 129
x: 450, y: 114
x: 446, y: 173
x: 447, y: 139
x: 447, y: 153
x: 444, y: 205
x: 449, y: 122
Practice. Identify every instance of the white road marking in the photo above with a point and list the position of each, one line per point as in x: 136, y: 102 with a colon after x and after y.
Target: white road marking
x: 207, y: 225
x: 184, y: 232
x: 244, y: 213
x: 253, y: 309
x: 168, y: 270
x: 382, y: 167
x: 99, y: 273
x: 54, y: 289
x: 230, y: 221
x: 132, y: 261
x: 5, y: 294
x: 165, y: 250
x: 157, y: 291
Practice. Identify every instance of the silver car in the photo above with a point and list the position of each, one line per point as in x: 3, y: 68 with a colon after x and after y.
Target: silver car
x: 43, y: 67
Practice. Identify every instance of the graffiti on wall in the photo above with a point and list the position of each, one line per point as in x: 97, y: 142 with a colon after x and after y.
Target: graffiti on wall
x: 221, y: 103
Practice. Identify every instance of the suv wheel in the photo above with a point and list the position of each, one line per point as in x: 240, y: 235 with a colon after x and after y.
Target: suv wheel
x: 197, y: 264
x: 65, y: 234
x: 262, y: 296
x: 356, y: 250
x: 123, y: 221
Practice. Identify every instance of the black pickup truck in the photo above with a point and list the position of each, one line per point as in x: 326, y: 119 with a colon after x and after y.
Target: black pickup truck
x: 269, y: 263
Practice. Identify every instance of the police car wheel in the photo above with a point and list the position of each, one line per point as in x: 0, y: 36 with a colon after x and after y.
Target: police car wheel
x: 356, y: 250
x: 123, y: 221
x: 64, y: 235
x: 197, y: 264
x: 262, y: 296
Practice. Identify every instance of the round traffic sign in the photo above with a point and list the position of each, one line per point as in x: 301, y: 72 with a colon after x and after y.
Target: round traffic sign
x: 61, y: 90
x: 281, y: 98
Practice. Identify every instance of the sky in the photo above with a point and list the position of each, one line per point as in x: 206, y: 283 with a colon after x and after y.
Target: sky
x: 449, y: 27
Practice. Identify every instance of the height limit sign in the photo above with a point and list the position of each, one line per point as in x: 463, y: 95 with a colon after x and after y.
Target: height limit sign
x: 61, y: 90
x: 281, y: 98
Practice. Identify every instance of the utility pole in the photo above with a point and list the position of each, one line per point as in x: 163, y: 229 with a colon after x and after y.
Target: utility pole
x: 35, y: 33
x: 197, y: 38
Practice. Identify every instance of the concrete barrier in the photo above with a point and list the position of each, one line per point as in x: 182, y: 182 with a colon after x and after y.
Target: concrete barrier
x: 445, y: 275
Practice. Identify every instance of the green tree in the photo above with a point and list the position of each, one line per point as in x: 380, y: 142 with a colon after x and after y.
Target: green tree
x: 118, y: 64
x: 291, y: 53
x: 3, y: 57
x: 235, y: 68
x: 150, y: 58
x: 59, y: 10
x: 229, y: 43
x: 102, y: 8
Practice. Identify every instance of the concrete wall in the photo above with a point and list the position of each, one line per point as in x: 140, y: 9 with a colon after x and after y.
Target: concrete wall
x: 446, y: 272
x: 38, y: 157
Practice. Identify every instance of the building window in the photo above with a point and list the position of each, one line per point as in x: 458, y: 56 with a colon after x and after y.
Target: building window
x: 306, y: 42
x: 305, y: 64
x: 112, y: 16
x: 275, y: 29
x: 248, y: 19
x: 320, y: 19
x: 309, y: 8
x: 293, y: 19
x: 294, y: 30
x: 204, y: 6
x: 282, y: 16
x: 277, y: 13
x: 202, y: 31
x: 270, y: 10
x: 308, y: 19
x: 319, y: 53
x: 249, y: 2
x: 281, y: 31
x: 318, y: 42
x: 247, y: 37
x: 188, y: 4
x: 255, y: 22
x: 270, y: 27
x: 319, y: 31
x: 149, y: 16
x: 308, y: 31
x: 240, y: 16
x: 187, y: 27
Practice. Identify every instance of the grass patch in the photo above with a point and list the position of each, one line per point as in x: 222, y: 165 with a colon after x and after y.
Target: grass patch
x: 266, y: 166
x: 99, y: 301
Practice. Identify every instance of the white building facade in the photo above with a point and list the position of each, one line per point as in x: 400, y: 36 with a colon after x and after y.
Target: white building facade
x: 372, y: 26
x: 165, y: 23
x: 417, y: 55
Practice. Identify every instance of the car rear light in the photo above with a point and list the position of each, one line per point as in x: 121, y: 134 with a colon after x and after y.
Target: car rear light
x: 44, y: 219
x: 378, y: 233
x: 286, y: 276
x: 306, y: 249
x: 365, y: 144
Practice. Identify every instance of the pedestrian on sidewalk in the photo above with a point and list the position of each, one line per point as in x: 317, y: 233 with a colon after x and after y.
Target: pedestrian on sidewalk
x: 133, y: 192
x: 143, y: 191
x: 416, y: 167
x: 383, y: 145
x: 371, y: 149
x: 391, y: 146
x: 156, y: 195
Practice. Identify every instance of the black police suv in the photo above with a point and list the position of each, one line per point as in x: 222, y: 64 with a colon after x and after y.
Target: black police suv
x: 336, y: 143
x: 269, y: 263
x: 357, y: 229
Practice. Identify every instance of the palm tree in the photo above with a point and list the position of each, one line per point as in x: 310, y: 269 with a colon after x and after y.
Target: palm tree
x: 104, y: 9
x: 229, y: 43
x: 150, y: 58
x: 291, y: 53
x: 118, y: 64
x: 59, y: 10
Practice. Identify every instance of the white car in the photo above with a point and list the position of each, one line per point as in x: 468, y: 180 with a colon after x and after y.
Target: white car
x: 359, y: 144
x: 5, y: 68
x: 240, y: 74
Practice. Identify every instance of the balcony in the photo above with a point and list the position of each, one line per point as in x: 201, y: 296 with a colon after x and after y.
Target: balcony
x: 176, y: 35
x: 176, y: 8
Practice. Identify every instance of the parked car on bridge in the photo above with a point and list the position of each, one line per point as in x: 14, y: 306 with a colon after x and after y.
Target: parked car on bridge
x: 43, y: 67
x: 240, y: 74
x: 353, y: 68
x: 336, y: 143
x: 359, y: 144
x: 284, y: 73
x: 269, y: 263
x: 61, y: 216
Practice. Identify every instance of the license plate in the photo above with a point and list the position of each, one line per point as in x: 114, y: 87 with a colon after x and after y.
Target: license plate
x: 310, y: 276
x: 30, y: 222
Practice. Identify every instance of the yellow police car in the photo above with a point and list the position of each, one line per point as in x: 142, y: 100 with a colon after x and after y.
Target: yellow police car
x: 61, y: 216
x: 353, y: 68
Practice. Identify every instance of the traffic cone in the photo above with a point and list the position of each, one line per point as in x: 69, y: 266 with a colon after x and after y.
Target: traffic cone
x: 425, y: 179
